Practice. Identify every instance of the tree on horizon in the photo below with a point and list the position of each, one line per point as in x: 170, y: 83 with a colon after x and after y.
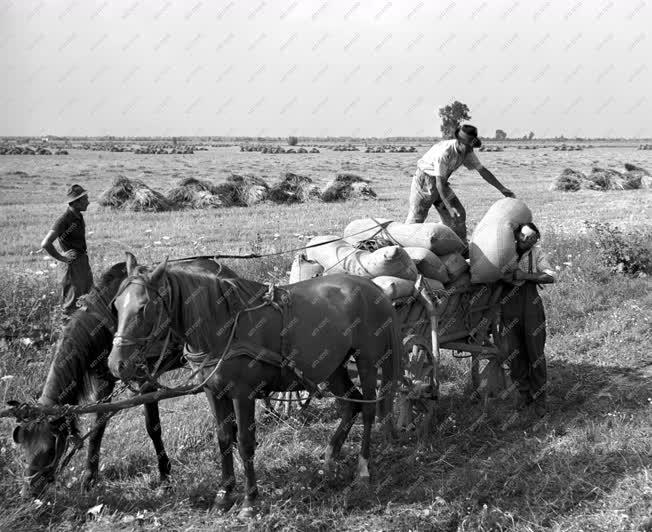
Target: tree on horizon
x: 451, y: 116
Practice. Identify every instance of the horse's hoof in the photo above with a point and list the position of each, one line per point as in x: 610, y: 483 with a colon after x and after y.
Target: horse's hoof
x: 224, y: 500
x: 87, y: 482
x: 248, y: 511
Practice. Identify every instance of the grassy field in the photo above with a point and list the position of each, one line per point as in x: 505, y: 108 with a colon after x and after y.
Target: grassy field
x: 586, y: 466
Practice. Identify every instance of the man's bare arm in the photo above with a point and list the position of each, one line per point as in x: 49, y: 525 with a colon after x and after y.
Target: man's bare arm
x: 537, y: 277
x: 439, y: 184
x: 491, y: 179
x: 48, y: 246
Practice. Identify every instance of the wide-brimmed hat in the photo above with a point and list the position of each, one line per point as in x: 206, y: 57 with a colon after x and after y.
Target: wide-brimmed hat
x: 468, y: 134
x: 74, y: 193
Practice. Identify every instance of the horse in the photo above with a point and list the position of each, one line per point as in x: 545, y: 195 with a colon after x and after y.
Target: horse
x: 247, y: 340
x: 79, y: 373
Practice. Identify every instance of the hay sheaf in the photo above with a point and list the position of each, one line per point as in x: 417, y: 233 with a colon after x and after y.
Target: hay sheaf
x: 133, y: 194
x: 237, y: 190
x: 248, y: 189
x: 347, y: 186
x: 293, y: 188
x: 194, y: 193
x: 603, y: 179
x: 569, y: 181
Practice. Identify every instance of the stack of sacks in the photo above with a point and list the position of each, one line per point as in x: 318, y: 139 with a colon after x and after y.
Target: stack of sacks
x: 492, y: 247
x: 437, y: 237
x: 432, y: 250
x: 338, y: 256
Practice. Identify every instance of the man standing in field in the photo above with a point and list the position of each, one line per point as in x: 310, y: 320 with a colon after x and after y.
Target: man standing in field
x: 70, y: 230
x: 524, y: 320
x: 430, y: 182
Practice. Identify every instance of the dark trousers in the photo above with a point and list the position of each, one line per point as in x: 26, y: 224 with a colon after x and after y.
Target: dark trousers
x: 524, y: 334
x: 424, y: 194
x: 76, y: 280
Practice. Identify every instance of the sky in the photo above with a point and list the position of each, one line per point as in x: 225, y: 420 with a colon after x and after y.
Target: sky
x: 325, y: 67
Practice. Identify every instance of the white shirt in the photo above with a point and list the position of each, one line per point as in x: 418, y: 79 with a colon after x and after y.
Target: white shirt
x: 443, y: 159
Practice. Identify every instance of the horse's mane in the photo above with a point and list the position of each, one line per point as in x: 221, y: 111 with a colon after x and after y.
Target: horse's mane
x: 204, y: 293
x: 79, y: 363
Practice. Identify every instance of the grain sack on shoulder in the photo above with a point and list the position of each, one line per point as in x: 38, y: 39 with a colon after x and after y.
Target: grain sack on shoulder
x: 492, y: 246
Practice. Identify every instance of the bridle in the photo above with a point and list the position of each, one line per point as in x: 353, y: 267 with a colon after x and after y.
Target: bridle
x: 56, y: 464
x: 122, y: 340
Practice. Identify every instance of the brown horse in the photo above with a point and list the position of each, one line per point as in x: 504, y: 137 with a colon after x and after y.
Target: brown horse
x: 249, y: 339
x: 79, y: 373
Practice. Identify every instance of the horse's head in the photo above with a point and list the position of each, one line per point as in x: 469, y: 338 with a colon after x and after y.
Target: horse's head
x: 44, y: 443
x: 142, y: 319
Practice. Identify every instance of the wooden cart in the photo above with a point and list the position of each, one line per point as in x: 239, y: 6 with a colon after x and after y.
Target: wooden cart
x: 463, y: 319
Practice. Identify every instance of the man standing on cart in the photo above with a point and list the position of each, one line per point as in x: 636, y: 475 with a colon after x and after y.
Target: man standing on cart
x: 430, y: 182
x: 524, y: 320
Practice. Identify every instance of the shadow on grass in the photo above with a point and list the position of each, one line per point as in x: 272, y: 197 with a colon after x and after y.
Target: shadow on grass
x: 474, y: 470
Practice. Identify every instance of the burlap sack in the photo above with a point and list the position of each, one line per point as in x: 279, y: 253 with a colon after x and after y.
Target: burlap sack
x: 492, y: 245
x: 342, y: 257
x: 437, y: 237
x: 394, y: 287
x: 303, y: 269
x: 455, y: 265
x: 428, y: 264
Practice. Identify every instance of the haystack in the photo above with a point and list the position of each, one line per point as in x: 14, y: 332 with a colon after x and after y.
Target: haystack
x: 193, y: 193
x: 569, y: 181
x: 133, y: 194
x: 605, y: 179
x: 249, y: 189
x: 148, y: 200
x: 347, y: 186
x: 293, y: 188
x: 637, y: 177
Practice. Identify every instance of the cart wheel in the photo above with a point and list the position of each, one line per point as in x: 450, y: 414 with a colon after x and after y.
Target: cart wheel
x: 283, y: 404
x: 415, y: 403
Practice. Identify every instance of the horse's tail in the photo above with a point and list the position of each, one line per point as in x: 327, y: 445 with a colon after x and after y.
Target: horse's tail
x: 391, y: 368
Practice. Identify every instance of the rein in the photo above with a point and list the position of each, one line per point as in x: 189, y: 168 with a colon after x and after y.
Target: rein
x: 382, y: 226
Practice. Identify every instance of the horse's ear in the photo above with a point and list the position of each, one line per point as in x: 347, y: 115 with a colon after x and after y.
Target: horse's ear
x: 158, y: 272
x: 131, y: 262
x: 18, y: 434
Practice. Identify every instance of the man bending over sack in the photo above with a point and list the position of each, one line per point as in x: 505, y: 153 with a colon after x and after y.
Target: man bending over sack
x: 70, y: 229
x: 524, y: 320
x: 430, y: 182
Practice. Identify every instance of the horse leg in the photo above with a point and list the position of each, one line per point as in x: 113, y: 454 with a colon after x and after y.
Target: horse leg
x: 222, y: 409
x: 368, y: 384
x: 93, y: 454
x: 95, y: 443
x: 245, y: 415
x: 339, y: 383
x: 153, y: 425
